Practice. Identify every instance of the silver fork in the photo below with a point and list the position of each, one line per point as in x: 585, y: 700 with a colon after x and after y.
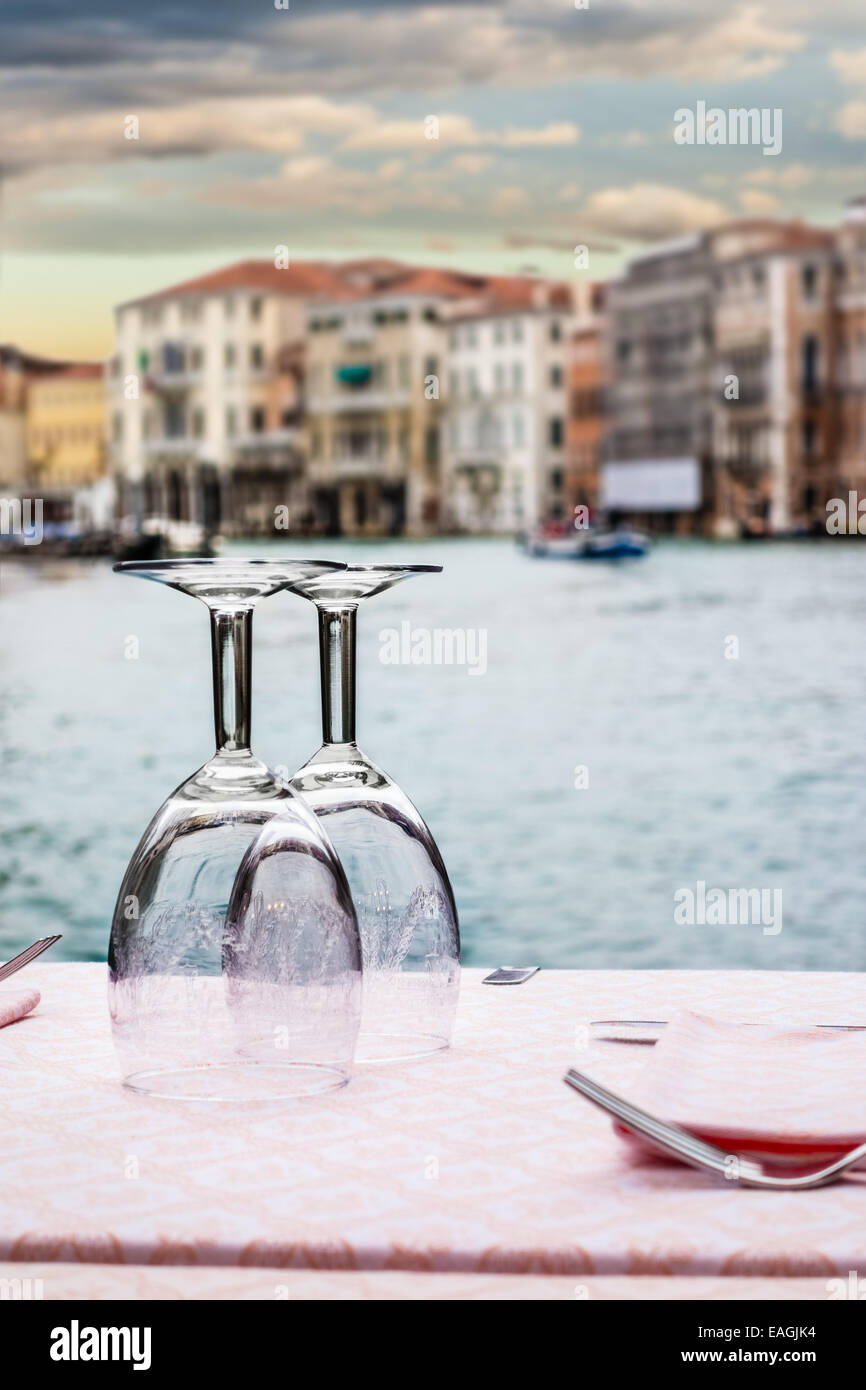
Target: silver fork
x: 25, y: 957
x: 673, y: 1140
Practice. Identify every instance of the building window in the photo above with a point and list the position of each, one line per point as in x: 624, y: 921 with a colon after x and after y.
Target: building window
x: 404, y: 371
x: 556, y: 480
x: 555, y: 432
x: 499, y: 334
x: 431, y: 447
x: 431, y: 366
x: 555, y: 331
x: 517, y: 376
x: 808, y: 438
x: 196, y: 360
x: 556, y: 376
x: 519, y: 439
x: 229, y: 307
x: 198, y: 424
x: 255, y: 309
x: 257, y: 420
x: 231, y: 422
x: 257, y: 357
x: 229, y: 355
x: 809, y: 280
x: 810, y: 363
x: 454, y: 338
x: 517, y: 331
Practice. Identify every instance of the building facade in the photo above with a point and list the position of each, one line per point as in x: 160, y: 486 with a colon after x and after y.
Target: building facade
x: 775, y: 428
x: 506, y: 396
x: 586, y: 372
x: 205, y: 396
x: 374, y: 360
x: 657, y: 454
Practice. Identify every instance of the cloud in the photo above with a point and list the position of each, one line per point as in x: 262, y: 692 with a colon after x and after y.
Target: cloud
x: 564, y: 133
x: 433, y: 130
x: 647, y: 211
x: 758, y: 203
x: 276, y: 125
x: 792, y: 176
x: 507, y: 200
x: 851, y: 67
x: 471, y: 163
x: 850, y: 120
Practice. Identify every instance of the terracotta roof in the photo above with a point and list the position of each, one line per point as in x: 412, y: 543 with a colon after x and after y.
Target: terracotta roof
x: 298, y: 278
x: 14, y: 358
x: 509, y: 294
x: 79, y: 371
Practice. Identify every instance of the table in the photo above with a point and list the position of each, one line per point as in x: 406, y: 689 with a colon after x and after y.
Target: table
x: 478, y: 1164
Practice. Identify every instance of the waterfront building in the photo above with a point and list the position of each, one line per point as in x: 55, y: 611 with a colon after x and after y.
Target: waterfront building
x: 657, y: 454
x: 17, y: 371
x: 586, y: 378
x: 506, y: 396
x: 774, y: 428
x: 375, y: 354
x: 205, y: 420
x: 65, y: 441
x: 849, y: 474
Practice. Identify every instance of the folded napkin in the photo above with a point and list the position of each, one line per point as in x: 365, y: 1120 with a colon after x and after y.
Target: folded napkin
x: 773, y: 1092
x: 14, y: 1005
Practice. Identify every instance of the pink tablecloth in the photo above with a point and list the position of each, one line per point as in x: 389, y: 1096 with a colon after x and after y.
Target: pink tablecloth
x: 479, y: 1161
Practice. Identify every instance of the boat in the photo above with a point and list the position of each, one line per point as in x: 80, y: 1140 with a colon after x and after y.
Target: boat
x: 560, y: 541
x: 159, y: 537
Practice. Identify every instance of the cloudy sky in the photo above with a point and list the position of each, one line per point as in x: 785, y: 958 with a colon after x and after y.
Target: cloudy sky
x: 260, y: 126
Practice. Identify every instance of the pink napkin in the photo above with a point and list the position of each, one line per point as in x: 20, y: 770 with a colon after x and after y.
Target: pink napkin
x: 15, y: 1006
x: 781, y: 1093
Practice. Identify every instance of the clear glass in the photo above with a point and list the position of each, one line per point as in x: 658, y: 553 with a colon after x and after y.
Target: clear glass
x: 404, y: 903
x: 211, y: 1006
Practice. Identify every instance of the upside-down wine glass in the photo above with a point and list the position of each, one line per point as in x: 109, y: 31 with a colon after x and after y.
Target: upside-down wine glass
x: 200, y: 1009
x: 404, y: 903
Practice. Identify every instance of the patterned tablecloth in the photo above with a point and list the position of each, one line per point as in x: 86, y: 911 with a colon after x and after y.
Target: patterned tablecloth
x: 479, y: 1161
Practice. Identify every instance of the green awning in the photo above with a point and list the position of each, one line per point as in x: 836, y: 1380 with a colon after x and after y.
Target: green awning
x: 356, y: 375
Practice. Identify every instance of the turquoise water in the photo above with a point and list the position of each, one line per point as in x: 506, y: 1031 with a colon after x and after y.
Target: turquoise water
x: 741, y: 773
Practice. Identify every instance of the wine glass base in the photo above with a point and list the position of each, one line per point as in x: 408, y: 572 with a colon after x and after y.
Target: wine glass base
x: 240, y: 1081
x: 379, y: 1049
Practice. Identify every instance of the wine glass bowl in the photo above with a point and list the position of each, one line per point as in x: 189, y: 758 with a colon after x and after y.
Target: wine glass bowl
x: 403, y: 898
x: 188, y: 991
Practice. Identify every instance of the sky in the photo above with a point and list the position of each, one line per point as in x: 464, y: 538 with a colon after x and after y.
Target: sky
x: 143, y: 143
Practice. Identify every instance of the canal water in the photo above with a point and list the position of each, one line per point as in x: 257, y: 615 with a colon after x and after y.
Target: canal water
x: 616, y: 737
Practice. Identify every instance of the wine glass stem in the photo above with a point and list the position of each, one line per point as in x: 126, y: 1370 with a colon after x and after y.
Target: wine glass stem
x: 337, y: 660
x: 231, y: 641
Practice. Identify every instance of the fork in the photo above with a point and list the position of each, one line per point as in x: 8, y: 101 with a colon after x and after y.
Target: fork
x: 673, y: 1140
x: 25, y: 957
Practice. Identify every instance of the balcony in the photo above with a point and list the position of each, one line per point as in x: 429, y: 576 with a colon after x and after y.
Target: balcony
x: 373, y: 463
x: 267, y: 439
x: 173, y: 382
x: 359, y: 401
x: 173, y: 447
